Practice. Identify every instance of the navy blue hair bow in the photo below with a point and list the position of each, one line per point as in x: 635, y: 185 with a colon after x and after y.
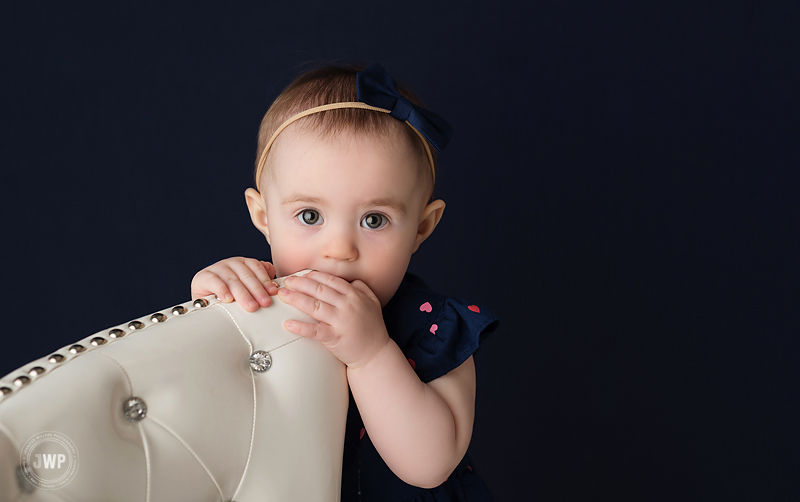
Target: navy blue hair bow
x: 377, y: 88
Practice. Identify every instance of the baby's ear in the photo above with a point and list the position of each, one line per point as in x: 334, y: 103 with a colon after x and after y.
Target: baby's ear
x: 428, y: 220
x: 258, y: 211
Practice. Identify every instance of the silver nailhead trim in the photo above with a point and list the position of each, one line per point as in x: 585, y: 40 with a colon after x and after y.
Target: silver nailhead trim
x: 15, y: 381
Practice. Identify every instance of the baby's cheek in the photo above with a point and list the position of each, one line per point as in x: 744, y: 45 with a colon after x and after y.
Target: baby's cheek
x: 287, y: 263
x: 385, y: 286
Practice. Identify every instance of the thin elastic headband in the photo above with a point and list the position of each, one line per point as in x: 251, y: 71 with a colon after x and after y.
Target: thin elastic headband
x: 332, y: 106
x: 377, y: 91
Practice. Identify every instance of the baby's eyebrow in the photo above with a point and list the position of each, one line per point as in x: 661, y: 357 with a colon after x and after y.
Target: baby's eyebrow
x: 301, y: 198
x: 388, y: 202
x: 382, y: 201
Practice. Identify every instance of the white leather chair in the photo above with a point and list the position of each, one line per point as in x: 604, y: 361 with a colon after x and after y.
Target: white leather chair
x: 179, y: 405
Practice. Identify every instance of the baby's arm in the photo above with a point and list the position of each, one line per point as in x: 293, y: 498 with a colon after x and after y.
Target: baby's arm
x: 420, y: 430
x: 246, y: 280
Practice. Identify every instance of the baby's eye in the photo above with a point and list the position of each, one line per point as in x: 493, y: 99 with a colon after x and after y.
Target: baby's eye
x: 309, y: 217
x: 374, y: 221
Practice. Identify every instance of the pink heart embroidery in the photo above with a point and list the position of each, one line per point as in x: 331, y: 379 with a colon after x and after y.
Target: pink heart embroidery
x: 474, y: 308
x: 361, y: 435
x: 425, y: 307
x: 434, y: 327
x: 412, y: 363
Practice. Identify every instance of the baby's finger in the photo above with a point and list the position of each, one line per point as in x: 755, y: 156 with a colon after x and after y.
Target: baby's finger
x: 307, y: 329
x: 227, y: 274
x: 206, y: 283
x: 265, y: 272
x: 362, y: 286
x: 314, y: 289
x: 272, y: 288
x: 258, y: 268
x: 271, y: 270
x: 250, y: 274
x: 332, y: 281
x: 241, y: 294
x: 317, y: 309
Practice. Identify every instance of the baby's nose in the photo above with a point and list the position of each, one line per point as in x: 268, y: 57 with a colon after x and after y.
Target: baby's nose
x: 341, y: 246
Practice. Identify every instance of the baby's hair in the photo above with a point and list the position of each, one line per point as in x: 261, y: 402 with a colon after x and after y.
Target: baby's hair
x: 337, y: 84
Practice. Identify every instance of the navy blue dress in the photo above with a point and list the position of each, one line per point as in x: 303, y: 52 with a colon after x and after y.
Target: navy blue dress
x: 436, y: 333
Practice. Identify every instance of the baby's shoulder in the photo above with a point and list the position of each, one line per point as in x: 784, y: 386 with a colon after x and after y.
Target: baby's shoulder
x: 436, y: 332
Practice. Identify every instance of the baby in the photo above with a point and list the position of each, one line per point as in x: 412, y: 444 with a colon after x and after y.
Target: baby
x: 345, y: 175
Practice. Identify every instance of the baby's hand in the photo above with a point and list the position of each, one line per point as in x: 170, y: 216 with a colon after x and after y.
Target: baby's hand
x: 246, y: 280
x: 349, y: 314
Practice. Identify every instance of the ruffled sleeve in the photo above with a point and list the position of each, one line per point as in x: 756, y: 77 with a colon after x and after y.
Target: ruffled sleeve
x: 435, y: 332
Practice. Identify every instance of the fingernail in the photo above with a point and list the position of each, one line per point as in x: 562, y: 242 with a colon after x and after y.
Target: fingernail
x: 288, y: 281
x: 228, y: 298
x: 251, y: 303
x: 283, y: 292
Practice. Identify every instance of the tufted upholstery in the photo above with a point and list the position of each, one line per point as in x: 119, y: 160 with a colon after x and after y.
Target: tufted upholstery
x: 214, y: 428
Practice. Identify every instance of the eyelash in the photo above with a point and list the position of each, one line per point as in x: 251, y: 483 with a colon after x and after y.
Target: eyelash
x: 300, y: 216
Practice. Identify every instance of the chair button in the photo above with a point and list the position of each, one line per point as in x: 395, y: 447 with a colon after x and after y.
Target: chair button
x: 134, y: 409
x: 260, y: 361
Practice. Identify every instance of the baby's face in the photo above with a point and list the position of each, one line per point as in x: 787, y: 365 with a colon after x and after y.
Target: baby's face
x: 348, y: 205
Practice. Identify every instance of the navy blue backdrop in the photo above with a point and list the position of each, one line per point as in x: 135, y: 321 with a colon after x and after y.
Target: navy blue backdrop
x: 621, y: 186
